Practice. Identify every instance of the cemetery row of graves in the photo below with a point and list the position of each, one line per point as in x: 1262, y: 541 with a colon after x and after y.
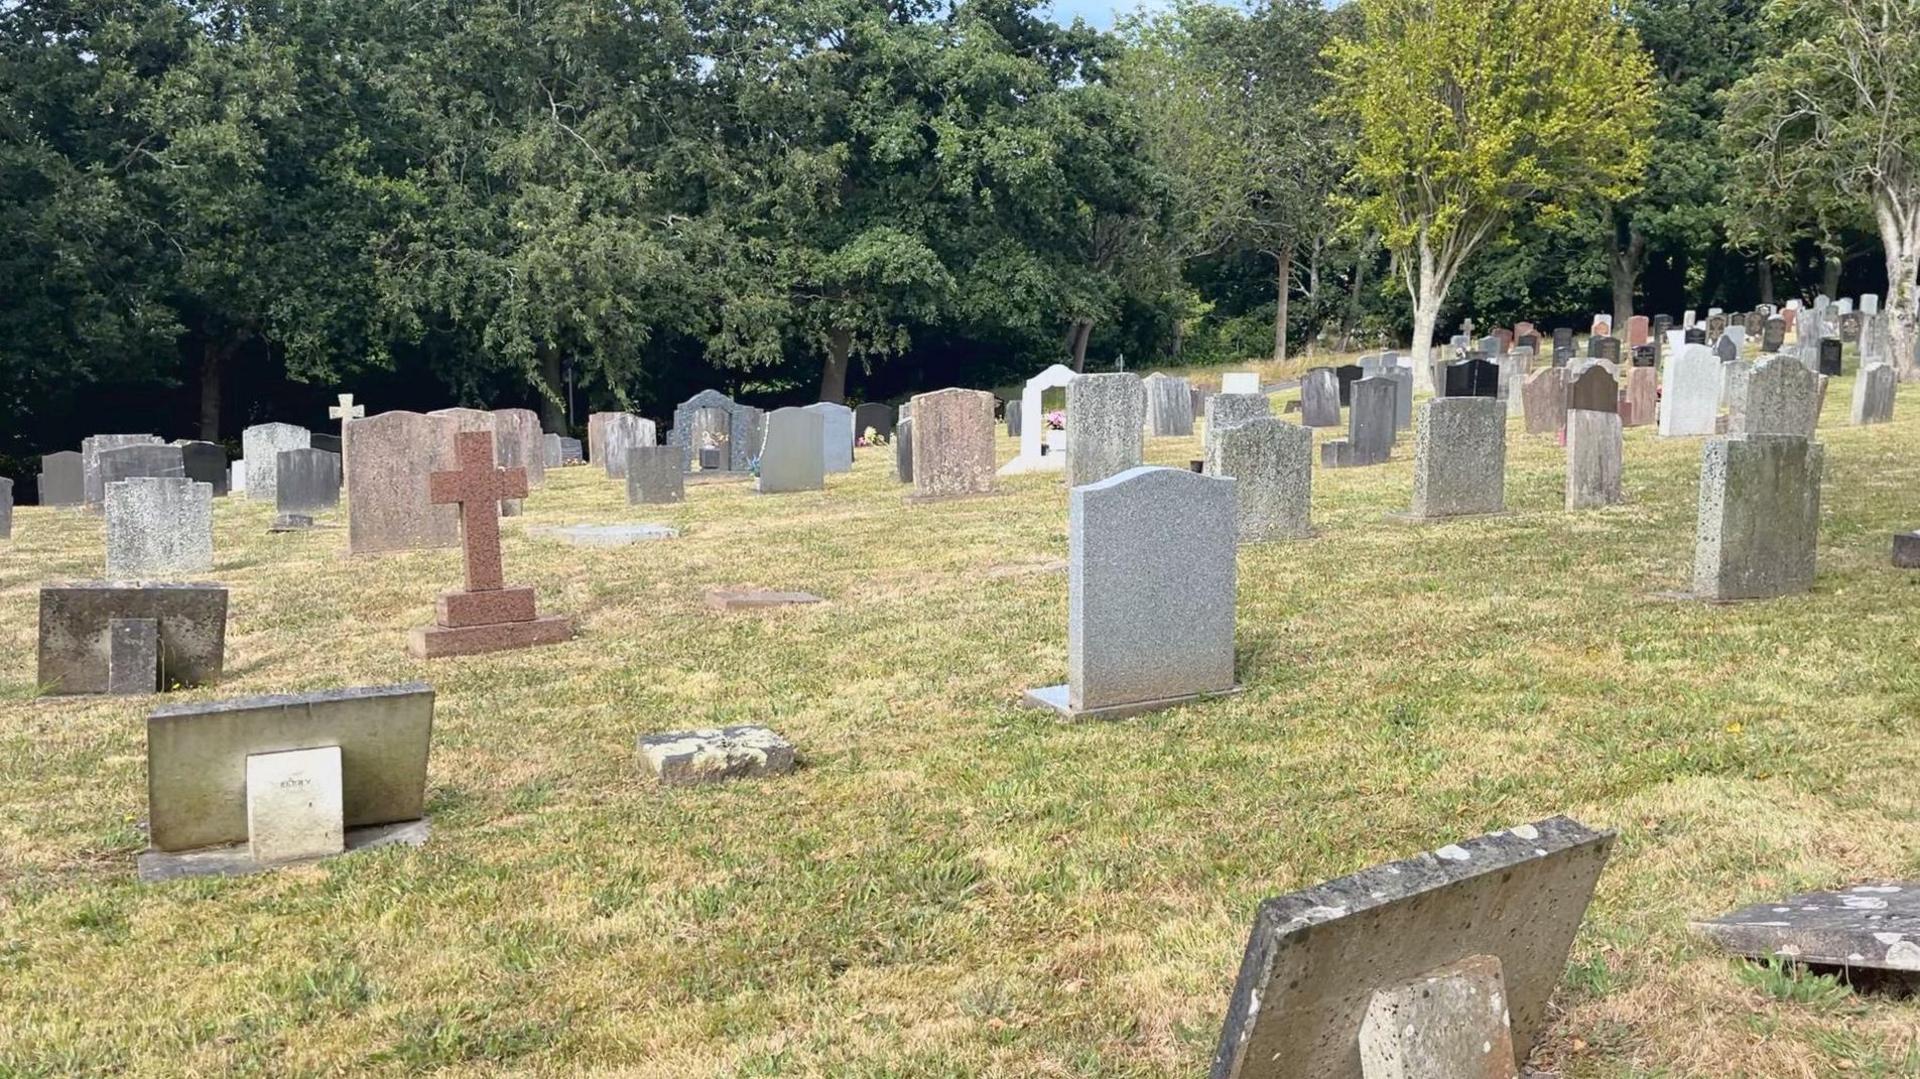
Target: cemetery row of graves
x: 764, y: 742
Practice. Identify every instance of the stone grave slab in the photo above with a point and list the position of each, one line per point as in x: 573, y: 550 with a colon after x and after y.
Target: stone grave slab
x: 1782, y: 397
x: 715, y: 754
x: 754, y: 599
x: 1874, y: 925
x: 76, y: 641
x: 1595, y: 452
x: 609, y: 535
x: 1544, y: 399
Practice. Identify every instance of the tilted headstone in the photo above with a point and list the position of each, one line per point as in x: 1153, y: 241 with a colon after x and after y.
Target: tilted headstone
x: 794, y: 458
x: 1873, y: 393
x: 1228, y: 410
x: 1271, y: 464
x: 158, y: 527
x: 655, y: 475
x: 1690, y: 393
x: 260, y: 447
x: 1151, y: 576
x: 1459, y: 458
x: 185, y: 627
x: 1106, y: 415
x: 1325, y: 965
x: 953, y: 442
x: 1544, y: 400
x: 1320, y: 398
x: 62, y: 479
x: 877, y: 417
x: 387, y: 460
x: 1759, y: 522
x: 903, y: 449
x: 836, y: 434
x: 205, y: 462
x: 306, y: 482
x: 1782, y: 398
x: 93, y: 487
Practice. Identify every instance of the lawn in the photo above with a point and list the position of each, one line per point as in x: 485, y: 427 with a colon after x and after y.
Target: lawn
x: 952, y: 886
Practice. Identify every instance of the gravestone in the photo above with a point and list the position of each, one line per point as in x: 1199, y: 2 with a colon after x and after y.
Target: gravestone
x: 903, y: 450
x: 483, y: 422
x: 1225, y: 411
x: 1851, y: 324
x: 1271, y: 464
x: 714, y: 754
x: 1169, y: 406
x: 1759, y: 520
x: 655, y: 475
x: 184, y: 625
x: 1726, y: 350
x: 550, y: 451
x: 387, y: 459
x: 836, y: 435
x: 1371, y: 426
x: 158, y: 527
x: 1562, y: 346
x: 1716, y: 325
x: 93, y: 486
x: 1240, y: 382
x: 205, y: 462
x: 1459, y: 458
x: 209, y: 813
x: 1544, y: 400
x: 486, y: 616
x: 1402, y: 378
x: 1013, y: 413
x: 608, y: 535
x: 1321, y: 961
x: 330, y: 443
x: 1604, y: 348
x: 1773, y: 334
x: 1694, y: 335
x: 1870, y: 926
x: 306, y: 482
x: 519, y: 443
x: 1830, y: 356
x: 136, y: 462
x: 1639, y: 331
x: 1033, y: 427
x: 1151, y: 579
x: 754, y: 599
x: 728, y: 426
x: 260, y: 448
x: 794, y: 458
x: 1754, y: 323
x: 1782, y: 398
x: 1690, y: 393
x: 1661, y: 324
x: 1873, y: 394
x: 237, y: 478
x: 1320, y: 398
x: 617, y: 432
x: 1473, y: 378
x: 62, y: 479
x: 953, y: 441
x: 876, y: 417
x: 1595, y: 449
x: 1602, y: 326
x: 6, y: 508
x: 1106, y: 415
x: 1638, y: 405
x: 1346, y: 375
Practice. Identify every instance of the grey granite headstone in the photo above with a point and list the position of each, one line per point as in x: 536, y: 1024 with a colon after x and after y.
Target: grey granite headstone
x: 6, y: 508
x: 903, y: 449
x: 1906, y: 550
x: 1106, y: 415
x: 1773, y: 334
x: 1169, y: 406
x: 836, y: 435
x: 571, y: 451
x: 1874, y: 925
x: 1460, y: 457
x: 733, y: 428
x: 1873, y: 393
x: 260, y: 447
x: 76, y: 622
x: 1759, y: 522
x: 1372, y: 421
x: 1151, y: 578
x: 1317, y: 958
x: 1782, y: 398
x: 93, y: 487
x: 1271, y: 464
x: 550, y: 449
x: 205, y: 462
x: 62, y: 479
x: 1320, y: 398
x: 306, y: 481
x: 519, y: 443
x: 618, y: 432
x: 714, y: 754
x: 133, y: 656
x: 794, y: 456
x: 655, y: 474
x: 158, y: 527
x: 1225, y: 411
x: 131, y: 462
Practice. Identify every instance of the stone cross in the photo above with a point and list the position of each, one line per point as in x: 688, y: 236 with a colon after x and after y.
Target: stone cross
x: 476, y: 486
x: 346, y: 410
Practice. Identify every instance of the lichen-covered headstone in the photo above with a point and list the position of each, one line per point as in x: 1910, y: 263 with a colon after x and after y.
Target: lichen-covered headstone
x: 387, y: 459
x: 952, y: 433
x: 1460, y: 458
x: 1271, y: 464
x: 1106, y: 415
x: 158, y: 527
x: 1225, y: 411
x: 260, y: 448
x: 1759, y: 523
x: 1169, y: 406
x: 1873, y: 393
x: 1782, y: 397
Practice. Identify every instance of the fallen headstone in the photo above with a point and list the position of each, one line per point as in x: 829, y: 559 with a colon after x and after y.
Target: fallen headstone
x: 1870, y: 926
x: 714, y: 754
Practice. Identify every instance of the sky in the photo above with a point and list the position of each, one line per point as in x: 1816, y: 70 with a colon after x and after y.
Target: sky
x: 1099, y: 12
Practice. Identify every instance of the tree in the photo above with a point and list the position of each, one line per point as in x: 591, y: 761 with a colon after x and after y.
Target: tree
x: 1470, y: 113
x: 1835, y: 116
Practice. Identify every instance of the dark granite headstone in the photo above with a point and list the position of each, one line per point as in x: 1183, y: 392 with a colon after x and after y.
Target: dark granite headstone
x: 1696, y: 334
x: 1830, y: 355
x: 1562, y: 346
x: 1594, y: 390
x: 1473, y: 378
x: 1348, y: 374
x: 1773, y: 334
x: 903, y: 449
x: 1726, y: 350
x: 329, y: 443
x: 1371, y: 422
x: 76, y: 622
x: 1603, y: 347
x: 876, y: 417
x: 1661, y: 324
x: 1316, y: 958
x: 1528, y: 341
x: 306, y: 481
x: 1906, y: 550
x: 571, y: 451
x: 1645, y: 356
x: 1875, y: 925
x: 206, y: 462
x: 129, y: 462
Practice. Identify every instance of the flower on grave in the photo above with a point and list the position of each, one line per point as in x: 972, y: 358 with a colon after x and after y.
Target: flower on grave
x: 753, y: 466
x: 1056, y: 420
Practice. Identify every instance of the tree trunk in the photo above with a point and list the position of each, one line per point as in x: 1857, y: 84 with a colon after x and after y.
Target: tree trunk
x: 833, y: 376
x: 553, y: 404
x: 1282, y: 285
x: 1623, y: 270
x: 1353, y: 297
x: 1426, y: 312
x: 213, y: 355
x: 1900, y: 237
x: 1830, y: 276
x: 1765, y: 273
x: 1077, y: 338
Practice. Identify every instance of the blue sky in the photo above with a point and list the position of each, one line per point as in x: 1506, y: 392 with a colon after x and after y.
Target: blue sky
x: 1098, y: 12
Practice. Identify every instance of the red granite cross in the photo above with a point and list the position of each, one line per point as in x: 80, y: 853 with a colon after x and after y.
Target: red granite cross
x: 478, y: 486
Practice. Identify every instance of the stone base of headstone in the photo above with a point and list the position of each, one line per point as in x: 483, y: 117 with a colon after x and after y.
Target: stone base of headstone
x: 715, y: 754
x: 236, y: 860
x: 1449, y: 1022
x: 1906, y: 550
x: 437, y: 642
x: 1054, y: 699
x: 752, y: 599
x: 694, y: 479
x: 291, y: 522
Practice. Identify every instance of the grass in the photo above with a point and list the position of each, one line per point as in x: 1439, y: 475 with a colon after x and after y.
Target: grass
x: 952, y: 886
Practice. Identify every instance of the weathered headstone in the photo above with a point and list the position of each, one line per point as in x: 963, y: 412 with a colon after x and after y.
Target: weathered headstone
x: 794, y: 458
x: 1639, y: 331
x: 1870, y: 926
x: 1642, y: 393
x: 1228, y: 410
x: 158, y: 527
x: 617, y: 433
x: 953, y: 442
x: 387, y: 459
x: 1873, y: 394
x: 836, y: 434
x: 1319, y: 962
x: 6, y: 508
x: 1594, y: 440
x: 1150, y: 594
x: 1726, y: 350
x: 1690, y: 393
x: 1759, y: 519
x: 1562, y: 346
x: 1271, y: 464
x: 1773, y: 334
x: 1544, y: 400
x: 306, y: 482
x: 713, y: 754
x: 260, y: 448
x: 77, y: 629
x: 1105, y: 417
x: 1782, y: 398
x: 1320, y: 398
x: 1459, y: 458
x: 93, y: 487
x: 519, y: 443
x: 144, y: 461
x: 1603, y: 347
x: 62, y: 479
x: 655, y: 475
x: 1169, y: 406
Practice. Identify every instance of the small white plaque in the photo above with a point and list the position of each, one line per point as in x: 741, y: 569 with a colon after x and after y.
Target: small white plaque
x: 294, y: 805
x: 1240, y: 382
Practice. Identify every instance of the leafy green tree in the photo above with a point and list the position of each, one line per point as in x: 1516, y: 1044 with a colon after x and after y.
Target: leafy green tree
x: 1470, y: 113
x: 1832, y: 121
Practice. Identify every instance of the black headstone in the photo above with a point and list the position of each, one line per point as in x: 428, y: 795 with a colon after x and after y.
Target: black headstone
x: 1662, y: 323
x: 876, y: 417
x: 1645, y: 356
x: 330, y: 443
x: 1528, y: 340
x: 1562, y: 346
x: 206, y: 462
x: 1473, y: 378
x: 1696, y: 334
x: 1348, y: 374
x: 1829, y: 355
x: 1603, y: 347
x: 1594, y: 390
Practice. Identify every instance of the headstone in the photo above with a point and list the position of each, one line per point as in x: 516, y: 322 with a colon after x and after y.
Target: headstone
x: 1459, y: 458
x: 1661, y: 324
x: 1320, y: 398
x: 1645, y: 356
x: 1602, y: 326
x: 953, y: 441
x: 903, y: 449
x: 1371, y: 426
x: 1562, y: 346
x: 260, y: 447
x: 1473, y: 378
x: 519, y: 443
x: 729, y: 428
x: 387, y: 460
x: 1639, y: 331
x: 486, y: 616
x: 295, y: 805
x: 754, y: 599
x: 346, y: 410
x: 1169, y: 406
x: 1871, y: 926
x: 1716, y: 325
x: 1690, y: 393
x: 1759, y: 516
x: 76, y: 631
x: 1105, y: 417
x: 550, y: 450
x: 306, y: 481
x: 1726, y: 350
x: 1014, y: 414
x: 1593, y: 389
x: 608, y: 535
x: 571, y: 451
x: 1240, y: 382
x: 158, y: 527
x: 330, y: 443
x: 1604, y: 348
x: 1869, y: 304
x: 714, y: 754
x: 1850, y: 326
x: 655, y: 475
x: 62, y: 479
x: 876, y: 417
x: 1782, y: 398
x: 1642, y: 393
x: 1544, y: 400
x: 1346, y: 375
x: 1873, y: 394
x: 1320, y: 961
x: 617, y: 432
x: 237, y: 478
x: 836, y: 435
x: 1150, y: 594
x: 205, y: 462
x: 1595, y: 451
x: 137, y: 462
x: 1033, y: 427
x: 1271, y: 464
x: 794, y: 458
x: 1830, y: 356
x: 1226, y: 411
x: 1490, y: 347
x: 93, y: 487
x: 1773, y: 334
x: 1694, y: 335
x: 1906, y: 550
